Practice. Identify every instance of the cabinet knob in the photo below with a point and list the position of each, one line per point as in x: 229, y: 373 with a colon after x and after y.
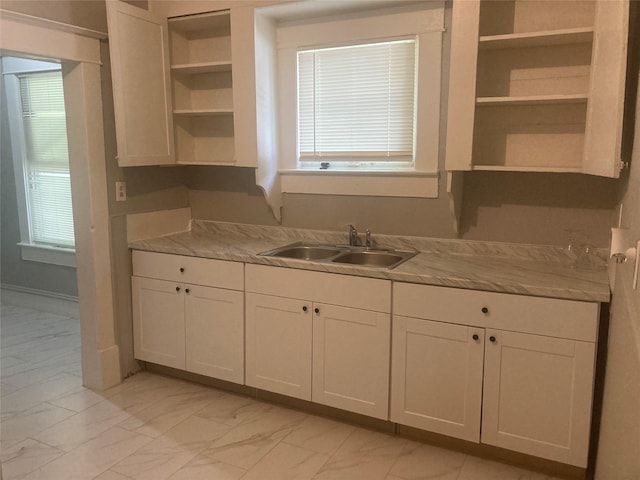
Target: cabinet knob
x: 492, y: 339
x: 177, y: 289
x: 304, y: 309
x: 317, y: 310
x: 186, y: 290
x: 485, y: 310
x: 181, y: 269
x: 476, y: 337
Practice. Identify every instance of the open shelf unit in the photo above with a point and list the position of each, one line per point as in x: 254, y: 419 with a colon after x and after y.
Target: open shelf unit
x: 201, y: 70
x: 545, y: 75
x: 532, y: 86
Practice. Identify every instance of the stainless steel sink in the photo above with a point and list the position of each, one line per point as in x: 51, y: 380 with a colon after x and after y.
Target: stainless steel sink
x: 304, y: 252
x: 317, y: 252
x: 371, y: 259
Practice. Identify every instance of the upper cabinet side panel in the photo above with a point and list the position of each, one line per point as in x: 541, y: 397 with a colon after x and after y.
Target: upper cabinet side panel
x: 140, y: 72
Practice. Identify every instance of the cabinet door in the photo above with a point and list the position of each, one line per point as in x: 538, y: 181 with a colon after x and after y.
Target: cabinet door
x: 537, y: 395
x: 462, y: 84
x: 214, y: 327
x: 351, y: 350
x: 139, y: 51
x: 278, y: 345
x: 436, y: 377
x: 245, y: 105
x: 158, y: 322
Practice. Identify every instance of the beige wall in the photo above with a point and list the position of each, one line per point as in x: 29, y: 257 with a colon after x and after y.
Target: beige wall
x: 618, y: 453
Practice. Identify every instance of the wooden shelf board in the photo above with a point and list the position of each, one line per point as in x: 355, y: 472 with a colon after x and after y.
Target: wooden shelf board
x: 199, y: 22
x: 525, y: 168
x: 205, y: 162
x: 537, y: 39
x: 203, y: 112
x: 204, y: 67
x: 532, y: 100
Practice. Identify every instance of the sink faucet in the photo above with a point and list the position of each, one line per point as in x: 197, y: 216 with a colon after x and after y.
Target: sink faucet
x: 353, y: 236
x: 367, y: 239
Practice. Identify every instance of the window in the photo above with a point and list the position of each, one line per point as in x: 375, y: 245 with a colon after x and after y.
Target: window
x: 35, y: 100
x: 359, y: 102
x: 356, y: 105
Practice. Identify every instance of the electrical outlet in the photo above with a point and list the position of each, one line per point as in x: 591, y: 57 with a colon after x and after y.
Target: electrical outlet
x: 121, y: 191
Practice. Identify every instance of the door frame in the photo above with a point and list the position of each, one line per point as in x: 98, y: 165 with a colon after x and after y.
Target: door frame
x: 79, y: 52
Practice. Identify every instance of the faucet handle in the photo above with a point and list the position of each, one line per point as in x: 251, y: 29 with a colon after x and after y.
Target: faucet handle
x: 353, y: 235
x: 367, y: 239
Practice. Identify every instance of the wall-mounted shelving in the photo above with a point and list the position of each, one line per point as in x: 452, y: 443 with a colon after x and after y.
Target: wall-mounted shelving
x: 528, y: 86
x: 201, y: 68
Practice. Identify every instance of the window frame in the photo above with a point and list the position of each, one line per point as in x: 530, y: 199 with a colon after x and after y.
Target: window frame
x: 359, y: 157
x: 30, y: 251
x: 418, y: 180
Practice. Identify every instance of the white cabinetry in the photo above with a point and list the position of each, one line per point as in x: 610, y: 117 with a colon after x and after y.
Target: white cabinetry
x: 180, y: 73
x: 320, y: 337
x: 533, y: 392
x: 437, y: 377
x: 537, y: 86
x: 188, y: 313
x: 278, y: 345
x: 158, y: 322
x: 351, y: 359
x: 139, y: 49
x: 538, y: 394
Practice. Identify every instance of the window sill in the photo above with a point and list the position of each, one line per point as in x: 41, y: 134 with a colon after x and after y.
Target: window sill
x: 373, y: 183
x: 65, y: 257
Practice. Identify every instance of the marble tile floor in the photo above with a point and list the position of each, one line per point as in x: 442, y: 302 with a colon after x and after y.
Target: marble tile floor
x: 155, y: 427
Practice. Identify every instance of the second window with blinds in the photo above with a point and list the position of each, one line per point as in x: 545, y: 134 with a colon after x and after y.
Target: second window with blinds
x: 35, y: 103
x: 359, y: 99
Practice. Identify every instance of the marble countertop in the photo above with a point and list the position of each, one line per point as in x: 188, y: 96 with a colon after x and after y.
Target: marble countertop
x: 496, y: 267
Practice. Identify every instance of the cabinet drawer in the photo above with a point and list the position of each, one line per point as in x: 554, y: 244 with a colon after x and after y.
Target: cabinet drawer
x: 348, y: 291
x: 194, y: 270
x: 542, y: 316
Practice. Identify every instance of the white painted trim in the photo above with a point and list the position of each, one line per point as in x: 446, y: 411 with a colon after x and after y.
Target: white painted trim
x: 427, y: 24
x: 65, y: 257
x: 41, y: 300
x: 382, y: 25
x: 155, y: 224
x: 46, y: 40
x: 52, y: 24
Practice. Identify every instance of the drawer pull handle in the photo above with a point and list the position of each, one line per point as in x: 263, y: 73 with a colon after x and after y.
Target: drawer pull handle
x: 177, y: 289
x: 304, y: 309
x: 485, y: 310
x: 187, y: 290
x: 181, y: 269
x: 476, y: 337
x: 492, y: 339
x: 317, y: 310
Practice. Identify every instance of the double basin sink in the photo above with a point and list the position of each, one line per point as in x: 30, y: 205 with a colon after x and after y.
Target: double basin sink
x: 345, y: 254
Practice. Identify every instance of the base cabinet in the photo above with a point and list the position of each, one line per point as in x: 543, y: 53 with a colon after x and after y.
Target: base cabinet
x: 456, y: 373
x: 278, y: 345
x: 351, y: 359
x: 158, y: 322
x: 214, y: 333
x: 437, y: 377
x: 330, y: 344
x: 538, y: 395
x: 183, y: 320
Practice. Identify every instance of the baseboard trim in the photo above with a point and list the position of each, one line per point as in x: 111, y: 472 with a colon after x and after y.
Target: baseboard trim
x: 42, y: 300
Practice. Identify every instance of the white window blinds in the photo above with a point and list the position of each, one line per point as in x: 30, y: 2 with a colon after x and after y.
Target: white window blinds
x: 357, y: 103
x: 47, y: 159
